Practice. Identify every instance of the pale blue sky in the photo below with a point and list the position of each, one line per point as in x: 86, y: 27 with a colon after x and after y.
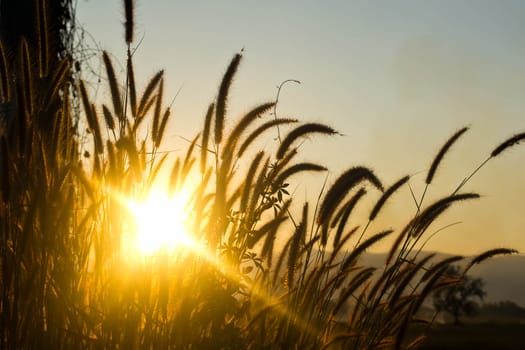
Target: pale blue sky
x: 396, y: 77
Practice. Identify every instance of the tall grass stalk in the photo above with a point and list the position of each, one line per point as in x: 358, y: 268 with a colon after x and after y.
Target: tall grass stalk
x: 254, y: 277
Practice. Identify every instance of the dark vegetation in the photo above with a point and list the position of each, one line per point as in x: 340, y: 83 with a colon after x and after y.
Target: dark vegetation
x: 503, y: 311
x: 498, y: 325
x: 475, y: 336
x: 69, y: 280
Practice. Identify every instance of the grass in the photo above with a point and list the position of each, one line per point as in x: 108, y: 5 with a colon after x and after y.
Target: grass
x: 473, y: 336
x: 70, y: 280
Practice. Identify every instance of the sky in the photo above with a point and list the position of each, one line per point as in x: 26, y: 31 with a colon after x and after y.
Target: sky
x: 396, y: 78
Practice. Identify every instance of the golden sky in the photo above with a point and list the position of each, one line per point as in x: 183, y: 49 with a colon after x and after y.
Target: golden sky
x: 397, y: 78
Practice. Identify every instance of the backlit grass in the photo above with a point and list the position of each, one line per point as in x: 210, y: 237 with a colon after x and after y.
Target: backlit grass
x: 95, y: 255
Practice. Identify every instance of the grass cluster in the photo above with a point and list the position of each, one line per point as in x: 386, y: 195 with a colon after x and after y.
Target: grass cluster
x: 69, y: 279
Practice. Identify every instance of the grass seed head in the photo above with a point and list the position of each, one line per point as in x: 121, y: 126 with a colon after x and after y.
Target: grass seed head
x: 514, y: 140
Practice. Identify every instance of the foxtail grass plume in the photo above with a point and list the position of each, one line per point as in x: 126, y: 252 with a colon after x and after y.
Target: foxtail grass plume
x: 489, y: 254
x: 387, y: 194
x: 162, y: 127
x: 157, y: 111
x: 300, y: 131
x: 85, y: 101
x: 243, y: 124
x: 222, y: 98
x: 113, y: 87
x: 514, y: 140
x: 94, y: 125
x: 126, y: 144
x: 42, y: 39
x: 108, y: 117
x: 433, y: 211
x: 132, y: 89
x: 360, y: 249
x: 344, y: 214
x: 206, y: 137
x: 130, y: 21
x: 146, y: 100
x: 189, y: 159
x: 295, y: 245
x: 271, y: 226
x: 297, y: 168
x: 441, y: 154
x: 261, y: 129
x: 347, y: 181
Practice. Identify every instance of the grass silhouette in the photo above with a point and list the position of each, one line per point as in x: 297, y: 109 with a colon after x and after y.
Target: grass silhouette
x: 71, y: 280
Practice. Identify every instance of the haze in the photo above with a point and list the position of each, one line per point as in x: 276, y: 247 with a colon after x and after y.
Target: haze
x: 397, y: 78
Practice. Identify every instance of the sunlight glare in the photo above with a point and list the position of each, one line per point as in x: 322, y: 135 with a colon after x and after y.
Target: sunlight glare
x: 160, y: 223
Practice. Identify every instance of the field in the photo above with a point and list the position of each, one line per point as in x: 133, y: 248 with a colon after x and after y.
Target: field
x: 99, y: 251
x: 474, y: 336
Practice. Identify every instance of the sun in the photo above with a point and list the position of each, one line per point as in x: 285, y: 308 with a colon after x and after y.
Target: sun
x: 160, y: 223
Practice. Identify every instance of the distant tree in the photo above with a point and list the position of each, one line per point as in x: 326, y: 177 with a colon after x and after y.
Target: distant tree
x: 459, y: 300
